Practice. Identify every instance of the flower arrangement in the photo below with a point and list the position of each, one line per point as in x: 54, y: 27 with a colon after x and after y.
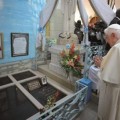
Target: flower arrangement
x: 70, y: 60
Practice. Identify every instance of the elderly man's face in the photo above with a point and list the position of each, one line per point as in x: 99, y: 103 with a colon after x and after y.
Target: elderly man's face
x: 110, y: 38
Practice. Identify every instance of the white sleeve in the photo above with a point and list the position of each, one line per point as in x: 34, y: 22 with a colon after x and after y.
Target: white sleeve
x: 111, y: 68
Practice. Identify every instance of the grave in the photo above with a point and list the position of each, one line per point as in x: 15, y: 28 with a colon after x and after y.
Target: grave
x: 26, y: 93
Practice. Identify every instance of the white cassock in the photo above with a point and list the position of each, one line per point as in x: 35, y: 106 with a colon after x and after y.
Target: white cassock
x: 109, y: 99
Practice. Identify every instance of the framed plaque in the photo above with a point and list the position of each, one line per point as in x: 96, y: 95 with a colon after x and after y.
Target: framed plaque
x: 19, y: 44
x: 33, y: 85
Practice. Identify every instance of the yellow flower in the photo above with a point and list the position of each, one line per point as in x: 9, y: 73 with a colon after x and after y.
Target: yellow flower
x: 75, y: 57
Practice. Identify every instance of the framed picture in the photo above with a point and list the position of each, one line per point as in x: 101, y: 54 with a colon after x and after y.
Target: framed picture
x: 19, y: 44
x: 1, y: 45
x: 44, y: 80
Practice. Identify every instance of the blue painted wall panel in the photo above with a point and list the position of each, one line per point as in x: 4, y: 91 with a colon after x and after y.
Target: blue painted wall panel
x: 19, y: 16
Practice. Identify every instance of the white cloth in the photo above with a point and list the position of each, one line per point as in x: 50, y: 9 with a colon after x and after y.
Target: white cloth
x: 68, y: 8
x: 109, y: 98
x: 93, y: 71
x: 84, y: 17
x: 47, y: 11
x: 83, y: 13
x: 103, y: 10
x: 39, y: 40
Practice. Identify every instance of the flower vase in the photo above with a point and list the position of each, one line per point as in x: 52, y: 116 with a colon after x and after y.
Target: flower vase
x: 70, y: 77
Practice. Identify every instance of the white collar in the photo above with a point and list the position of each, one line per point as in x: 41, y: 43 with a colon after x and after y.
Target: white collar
x: 117, y: 42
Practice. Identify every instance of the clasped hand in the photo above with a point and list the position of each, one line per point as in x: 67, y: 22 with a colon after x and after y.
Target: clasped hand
x: 97, y: 60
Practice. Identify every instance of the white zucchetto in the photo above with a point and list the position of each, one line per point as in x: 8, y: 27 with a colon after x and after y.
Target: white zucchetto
x: 114, y: 26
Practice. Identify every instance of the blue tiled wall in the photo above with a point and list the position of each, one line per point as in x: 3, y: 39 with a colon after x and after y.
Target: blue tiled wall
x: 19, y: 16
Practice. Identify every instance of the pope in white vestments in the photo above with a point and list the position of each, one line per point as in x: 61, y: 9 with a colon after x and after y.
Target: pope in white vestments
x: 109, y: 98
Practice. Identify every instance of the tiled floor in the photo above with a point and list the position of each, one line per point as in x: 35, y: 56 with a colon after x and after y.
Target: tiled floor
x: 90, y: 112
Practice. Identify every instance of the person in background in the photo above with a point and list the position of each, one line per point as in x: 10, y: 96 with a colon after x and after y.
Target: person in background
x: 78, y: 31
x: 109, y: 74
x: 116, y: 20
